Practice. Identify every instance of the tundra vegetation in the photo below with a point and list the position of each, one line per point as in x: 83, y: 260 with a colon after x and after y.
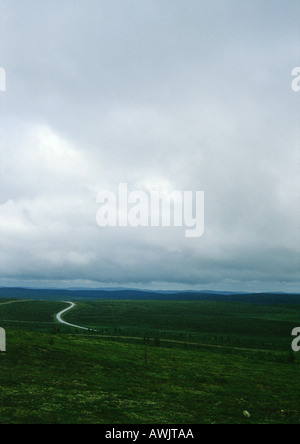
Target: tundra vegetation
x: 164, y: 362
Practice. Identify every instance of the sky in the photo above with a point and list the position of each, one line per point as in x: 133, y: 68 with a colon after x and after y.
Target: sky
x: 188, y: 95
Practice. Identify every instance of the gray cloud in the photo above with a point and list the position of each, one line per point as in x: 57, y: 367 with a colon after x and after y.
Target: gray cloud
x: 189, y: 95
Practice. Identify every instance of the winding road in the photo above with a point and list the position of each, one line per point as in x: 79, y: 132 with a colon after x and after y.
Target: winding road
x: 72, y: 305
x: 59, y: 315
x: 172, y: 341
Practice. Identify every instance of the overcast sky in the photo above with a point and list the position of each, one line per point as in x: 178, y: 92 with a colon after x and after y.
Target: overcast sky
x: 159, y: 94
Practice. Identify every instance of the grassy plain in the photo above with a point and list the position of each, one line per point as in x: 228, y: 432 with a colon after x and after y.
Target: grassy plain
x: 151, y: 362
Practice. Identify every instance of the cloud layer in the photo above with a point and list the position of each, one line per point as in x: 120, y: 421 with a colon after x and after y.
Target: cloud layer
x: 158, y: 94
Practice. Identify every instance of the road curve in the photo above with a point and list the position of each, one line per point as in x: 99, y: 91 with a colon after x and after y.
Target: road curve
x: 59, y: 315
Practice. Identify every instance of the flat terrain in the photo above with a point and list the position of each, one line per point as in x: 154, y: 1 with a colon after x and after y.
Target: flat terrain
x: 149, y: 362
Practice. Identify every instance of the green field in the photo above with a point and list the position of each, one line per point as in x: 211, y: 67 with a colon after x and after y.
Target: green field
x: 149, y: 362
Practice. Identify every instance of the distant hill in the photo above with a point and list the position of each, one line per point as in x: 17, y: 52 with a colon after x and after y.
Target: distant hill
x: 138, y: 295
x: 156, y: 291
